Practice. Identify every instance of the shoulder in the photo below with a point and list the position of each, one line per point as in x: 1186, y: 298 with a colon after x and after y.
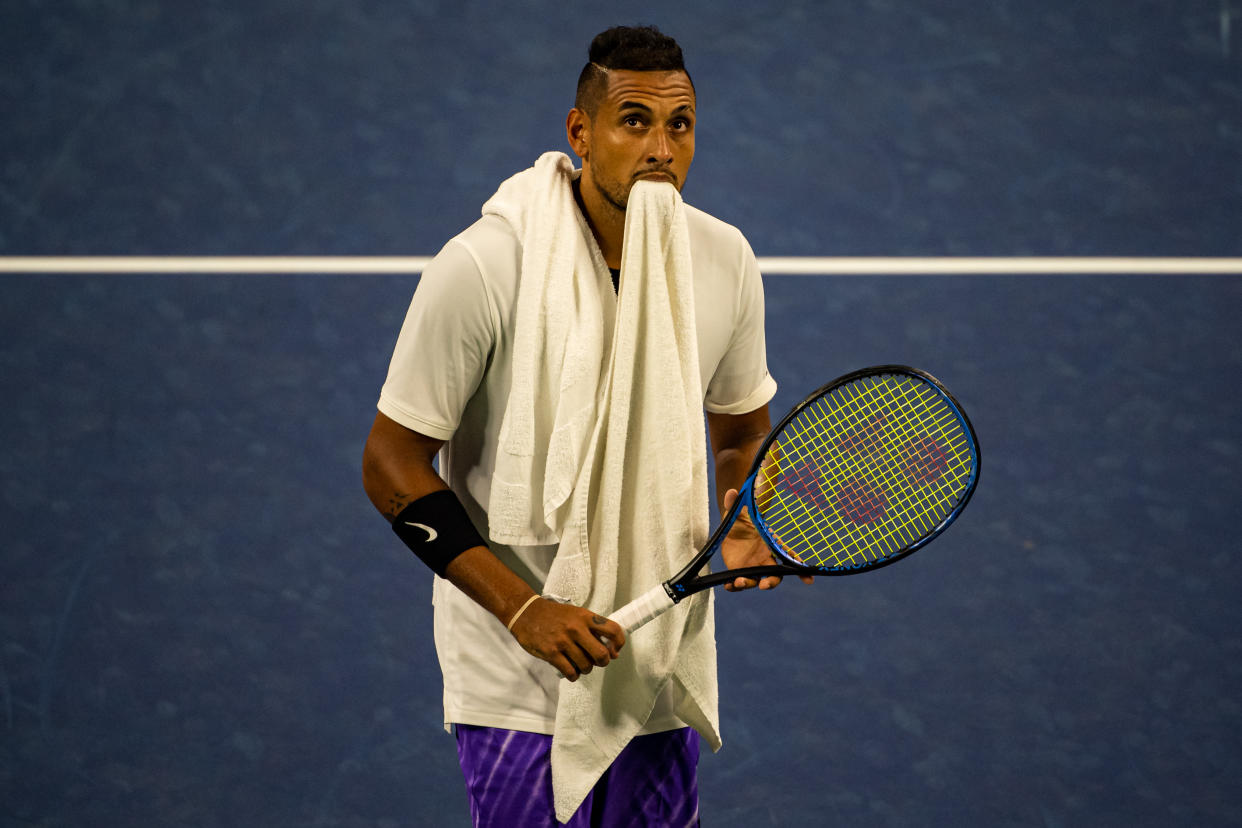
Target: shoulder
x: 480, y: 262
x: 718, y: 246
x: 720, y: 252
x: 707, y: 227
x: 491, y: 245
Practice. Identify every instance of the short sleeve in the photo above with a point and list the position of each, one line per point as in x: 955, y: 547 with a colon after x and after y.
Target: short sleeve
x: 742, y: 383
x: 443, y: 348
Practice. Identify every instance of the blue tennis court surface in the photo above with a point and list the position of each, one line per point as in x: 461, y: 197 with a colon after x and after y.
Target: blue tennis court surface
x: 202, y: 620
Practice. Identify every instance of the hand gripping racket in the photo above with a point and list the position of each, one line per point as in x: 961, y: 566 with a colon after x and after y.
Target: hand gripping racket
x: 866, y: 470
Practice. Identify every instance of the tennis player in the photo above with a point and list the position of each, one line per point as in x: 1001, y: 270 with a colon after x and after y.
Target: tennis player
x: 503, y: 649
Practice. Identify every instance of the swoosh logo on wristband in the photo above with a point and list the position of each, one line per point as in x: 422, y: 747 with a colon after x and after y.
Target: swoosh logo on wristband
x: 432, y: 534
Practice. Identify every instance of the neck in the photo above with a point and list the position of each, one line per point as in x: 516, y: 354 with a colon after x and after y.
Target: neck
x: 607, y: 223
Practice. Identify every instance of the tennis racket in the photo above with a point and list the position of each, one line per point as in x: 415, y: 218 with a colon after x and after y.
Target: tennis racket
x: 866, y: 470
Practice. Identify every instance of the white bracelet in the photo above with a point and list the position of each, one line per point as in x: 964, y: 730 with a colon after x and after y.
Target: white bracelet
x: 521, y: 610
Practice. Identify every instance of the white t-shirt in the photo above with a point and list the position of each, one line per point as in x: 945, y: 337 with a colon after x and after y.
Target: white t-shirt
x: 449, y: 379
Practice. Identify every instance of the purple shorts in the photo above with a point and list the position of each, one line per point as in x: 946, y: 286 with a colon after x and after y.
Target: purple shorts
x: 509, y: 781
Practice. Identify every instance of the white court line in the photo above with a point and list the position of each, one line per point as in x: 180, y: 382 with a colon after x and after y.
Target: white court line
x: 769, y: 265
x: 880, y: 265
x: 213, y: 264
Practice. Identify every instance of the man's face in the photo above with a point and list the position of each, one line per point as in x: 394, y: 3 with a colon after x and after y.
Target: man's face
x: 642, y: 129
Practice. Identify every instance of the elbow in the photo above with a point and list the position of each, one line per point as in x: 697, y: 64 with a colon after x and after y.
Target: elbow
x: 373, y: 474
x: 397, y: 465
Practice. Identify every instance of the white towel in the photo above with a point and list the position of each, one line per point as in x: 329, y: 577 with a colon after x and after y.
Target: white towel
x: 565, y: 314
x: 640, y: 508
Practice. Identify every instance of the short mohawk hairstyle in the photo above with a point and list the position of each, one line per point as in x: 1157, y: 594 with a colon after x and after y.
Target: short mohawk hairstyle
x: 636, y: 48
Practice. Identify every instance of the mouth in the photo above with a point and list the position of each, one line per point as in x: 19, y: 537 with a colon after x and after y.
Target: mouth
x: 656, y: 175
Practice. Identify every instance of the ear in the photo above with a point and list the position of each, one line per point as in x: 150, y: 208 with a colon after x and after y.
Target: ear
x: 578, y: 132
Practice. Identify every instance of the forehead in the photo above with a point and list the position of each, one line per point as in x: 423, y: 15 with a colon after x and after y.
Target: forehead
x: 664, y: 89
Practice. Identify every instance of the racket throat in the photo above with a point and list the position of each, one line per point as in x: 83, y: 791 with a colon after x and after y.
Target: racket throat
x: 755, y: 573
x: 689, y: 581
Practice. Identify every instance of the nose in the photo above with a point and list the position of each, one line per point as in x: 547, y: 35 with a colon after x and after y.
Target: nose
x: 661, y: 149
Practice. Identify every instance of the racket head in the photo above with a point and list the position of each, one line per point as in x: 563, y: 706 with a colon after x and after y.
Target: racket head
x: 863, y: 472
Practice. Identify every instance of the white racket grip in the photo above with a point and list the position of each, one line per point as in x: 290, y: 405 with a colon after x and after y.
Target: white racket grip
x: 643, y: 608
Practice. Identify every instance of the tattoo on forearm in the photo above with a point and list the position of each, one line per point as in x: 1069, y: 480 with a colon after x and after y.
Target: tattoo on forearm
x: 396, y: 503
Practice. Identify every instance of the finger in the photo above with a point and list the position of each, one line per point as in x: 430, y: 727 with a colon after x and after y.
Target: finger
x: 807, y: 579
x: 564, y: 666
x: 739, y: 584
x: 770, y: 582
x: 597, y: 651
x: 729, y: 497
x: 610, y: 633
x: 580, y: 659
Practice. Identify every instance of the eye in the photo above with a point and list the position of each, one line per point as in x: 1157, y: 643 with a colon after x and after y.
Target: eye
x: 633, y: 121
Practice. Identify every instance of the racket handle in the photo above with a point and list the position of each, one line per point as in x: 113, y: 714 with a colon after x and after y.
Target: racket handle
x: 643, y: 608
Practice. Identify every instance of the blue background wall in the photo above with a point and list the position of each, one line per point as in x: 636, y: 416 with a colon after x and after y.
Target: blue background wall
x: 202, y: 621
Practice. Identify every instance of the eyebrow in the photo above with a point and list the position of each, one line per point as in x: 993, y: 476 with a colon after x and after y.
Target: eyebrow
x: 624, y: 105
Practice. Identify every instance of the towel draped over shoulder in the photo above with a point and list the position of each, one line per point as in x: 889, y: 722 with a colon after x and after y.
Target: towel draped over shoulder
x: 603, y: 452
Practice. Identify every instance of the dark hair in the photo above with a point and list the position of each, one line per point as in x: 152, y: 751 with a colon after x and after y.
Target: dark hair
x: 637, y: 48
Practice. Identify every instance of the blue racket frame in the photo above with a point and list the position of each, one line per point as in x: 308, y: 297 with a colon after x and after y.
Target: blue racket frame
x: 685, y: 583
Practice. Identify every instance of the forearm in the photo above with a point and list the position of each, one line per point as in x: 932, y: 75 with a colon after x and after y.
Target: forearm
x: 477, y: 571
x: 397, y: 471
x: 487, y: 581
x: 735, y: 439
x: 732, y: 465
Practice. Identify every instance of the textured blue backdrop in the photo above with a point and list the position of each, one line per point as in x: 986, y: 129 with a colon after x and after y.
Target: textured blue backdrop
x: 203, y: 623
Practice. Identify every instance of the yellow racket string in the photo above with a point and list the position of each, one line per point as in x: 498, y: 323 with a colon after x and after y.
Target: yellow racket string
x: 864, y: 472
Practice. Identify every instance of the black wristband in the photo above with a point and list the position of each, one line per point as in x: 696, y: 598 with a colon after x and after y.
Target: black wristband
x: 437, y: 529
